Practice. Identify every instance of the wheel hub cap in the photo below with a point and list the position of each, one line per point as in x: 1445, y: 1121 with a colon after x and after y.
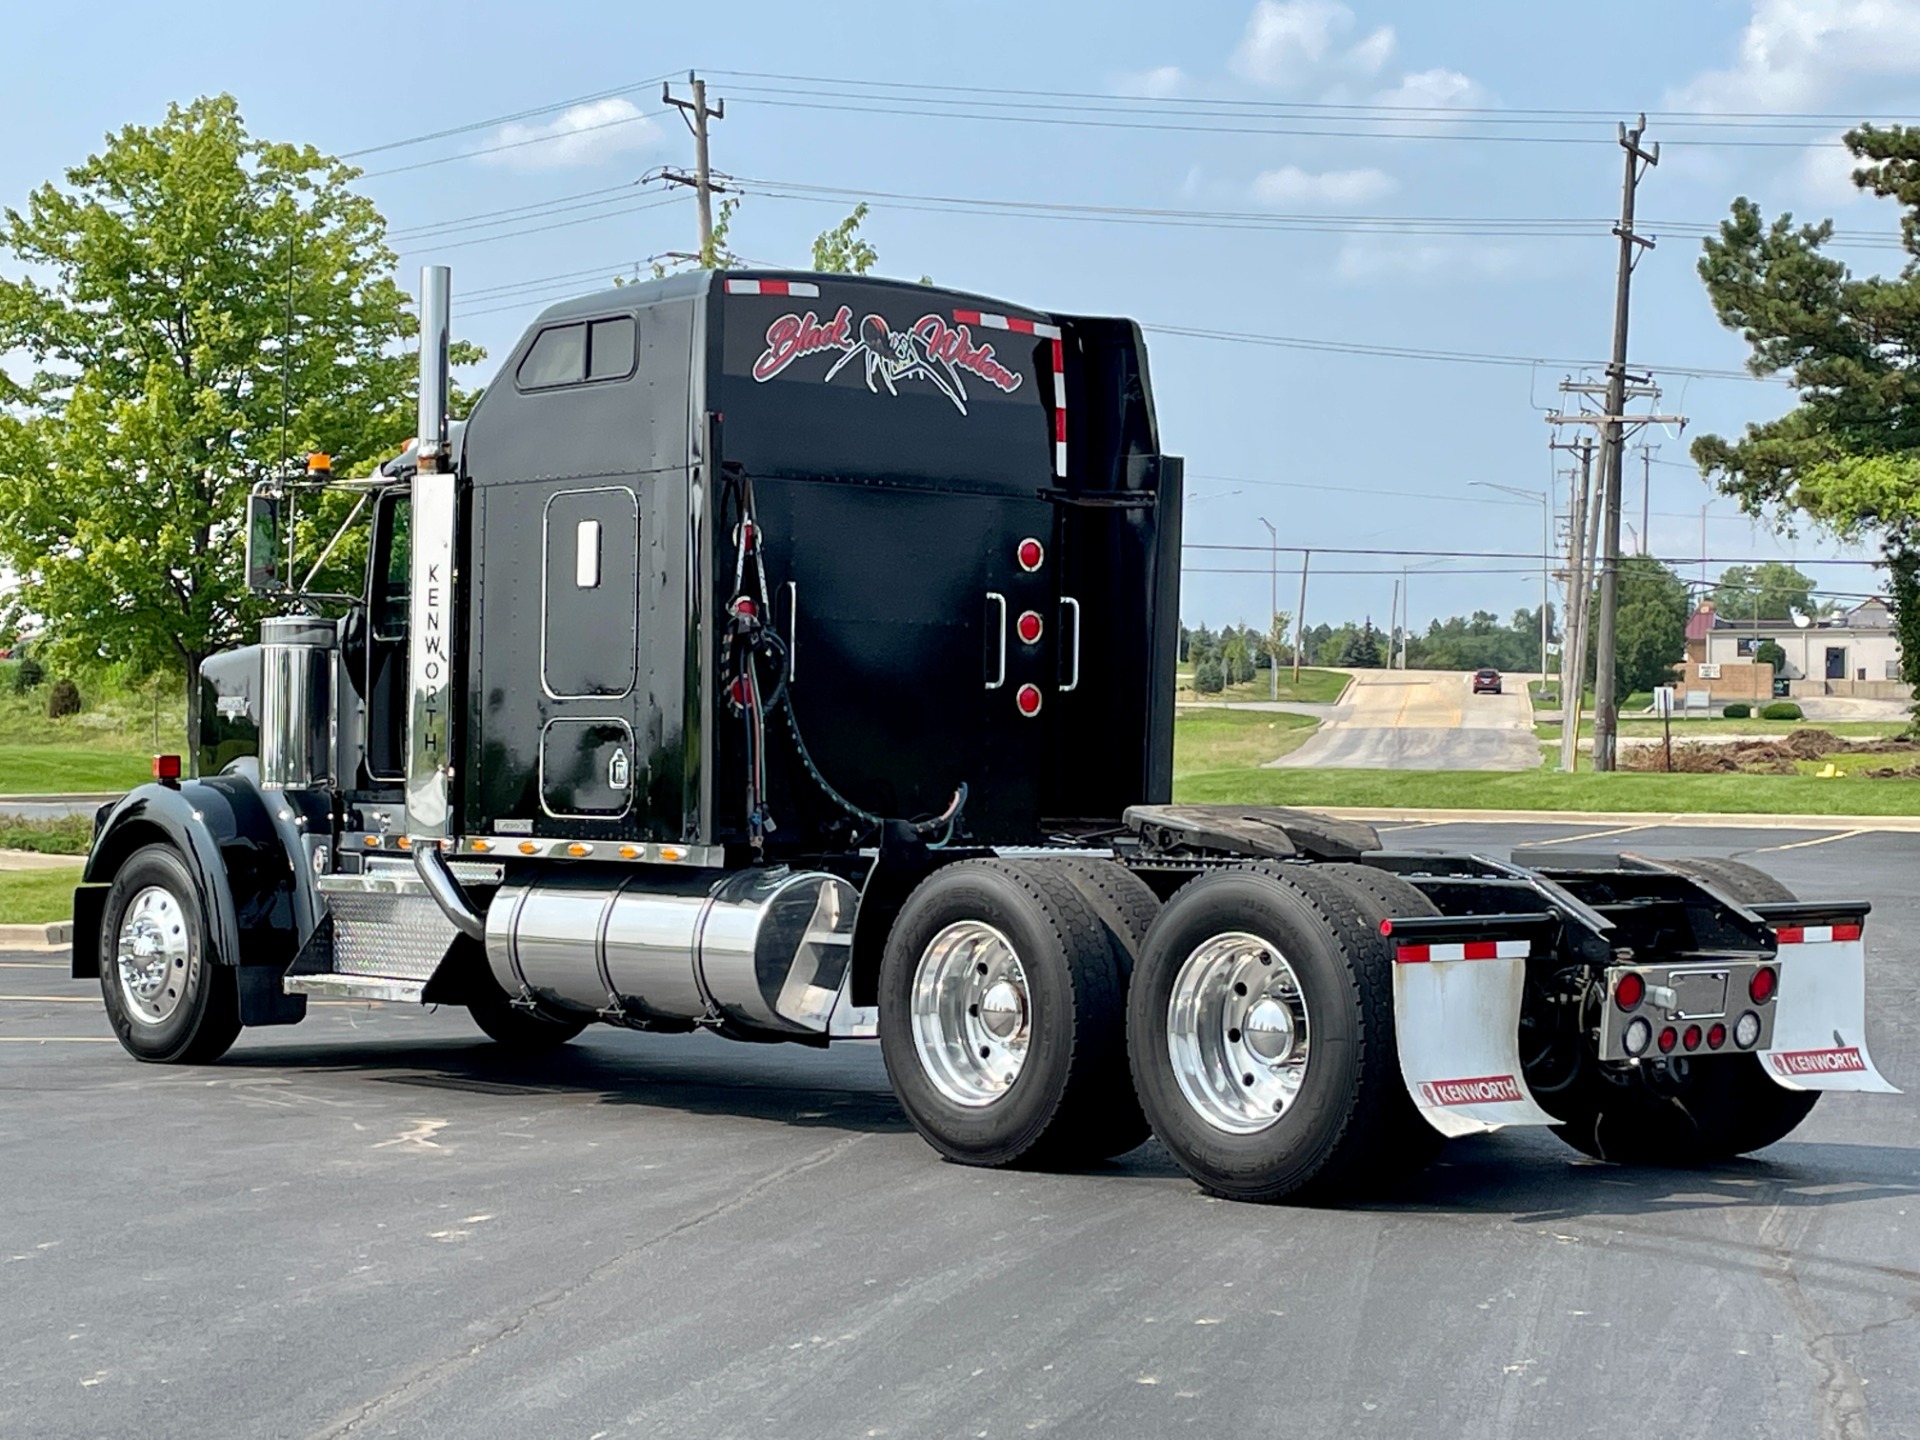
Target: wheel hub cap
x: 971, y: 1013
x: 1237, y: 1032
x: 152, y: 955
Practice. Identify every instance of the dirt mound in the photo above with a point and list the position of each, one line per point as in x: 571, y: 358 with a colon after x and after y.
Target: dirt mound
x: 1772, y: 757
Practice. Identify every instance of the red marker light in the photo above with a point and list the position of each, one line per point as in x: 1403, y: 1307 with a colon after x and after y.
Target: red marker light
x: 1716, y: 1037
x: 166, y: 767
x: 1027, y: 697
x: 1630, y: 991
x: 1031, y: 553
x: 1761, y: 987
x: 1669, y: 1038
x: 1692, y: 1038
x: 1027, y: 627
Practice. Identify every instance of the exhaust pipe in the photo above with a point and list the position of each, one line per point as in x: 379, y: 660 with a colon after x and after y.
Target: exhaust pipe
x: 436, y: 305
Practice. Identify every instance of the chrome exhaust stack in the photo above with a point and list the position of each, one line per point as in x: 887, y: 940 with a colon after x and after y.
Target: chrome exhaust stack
x: 436, y: 308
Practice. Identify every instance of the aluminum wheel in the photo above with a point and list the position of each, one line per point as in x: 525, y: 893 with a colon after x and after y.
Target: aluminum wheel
x: 972, y: 1014
x: 152, y: 954
x: 1237, y: 1032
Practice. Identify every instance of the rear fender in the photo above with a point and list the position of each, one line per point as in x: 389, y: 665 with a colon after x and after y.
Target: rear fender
x: 1458, y: 985
x: 1820, y: 1021
x: 247, y: 854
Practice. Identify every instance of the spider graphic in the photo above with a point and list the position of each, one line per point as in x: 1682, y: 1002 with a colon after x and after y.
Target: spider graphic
x: 892, y: 355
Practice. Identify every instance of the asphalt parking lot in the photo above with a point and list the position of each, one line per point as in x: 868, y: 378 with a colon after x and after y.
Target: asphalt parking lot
x: 369, y: 1225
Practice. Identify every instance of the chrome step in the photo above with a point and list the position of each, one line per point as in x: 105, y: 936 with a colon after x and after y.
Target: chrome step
x: 355, y: 987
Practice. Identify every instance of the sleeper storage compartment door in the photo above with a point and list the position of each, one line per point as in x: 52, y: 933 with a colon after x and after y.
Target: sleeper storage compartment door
x: 589, y: 599
x: 586, y: 769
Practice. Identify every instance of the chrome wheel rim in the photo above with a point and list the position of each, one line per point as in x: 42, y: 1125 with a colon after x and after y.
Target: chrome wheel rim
x: 152, y: 954
x: 972, y: 1013
x: 1237, y: 1033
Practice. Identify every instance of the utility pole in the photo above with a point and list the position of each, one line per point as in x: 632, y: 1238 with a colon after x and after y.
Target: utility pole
x: 1300, y: 621
x: 1393, y: 630
x: 1605, y: 701
x: 1647, y: 453
x: 1273, y: 609
x: 696, y: 114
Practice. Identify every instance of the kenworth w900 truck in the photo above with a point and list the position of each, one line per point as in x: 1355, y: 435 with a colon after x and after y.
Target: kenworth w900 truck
x: 791, y: 657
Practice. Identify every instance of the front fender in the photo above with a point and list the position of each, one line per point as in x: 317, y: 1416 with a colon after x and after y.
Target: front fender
x: 246, y: 851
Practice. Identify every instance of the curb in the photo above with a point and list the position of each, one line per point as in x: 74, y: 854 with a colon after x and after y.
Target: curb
x: 1889, y: 824
x: 58, y: 933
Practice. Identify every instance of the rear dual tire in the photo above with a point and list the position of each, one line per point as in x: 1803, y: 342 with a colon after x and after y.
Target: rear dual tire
x: 1002, y: 1005
x: 1261, y: 1029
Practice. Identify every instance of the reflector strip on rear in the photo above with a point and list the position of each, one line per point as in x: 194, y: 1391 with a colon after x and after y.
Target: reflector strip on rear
x: 1815, y: 934
x: 1011, y: 323
x: 806, y: 289
x: 1469, y: 950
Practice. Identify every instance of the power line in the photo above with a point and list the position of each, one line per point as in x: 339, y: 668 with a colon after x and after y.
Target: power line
x: 516, y: 144
x: 527, y: 114
x: 1533, y: 555
x: 435, y: 246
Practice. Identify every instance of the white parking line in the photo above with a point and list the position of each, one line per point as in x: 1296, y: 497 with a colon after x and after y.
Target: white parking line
x: 1803, y: 844
x: 1590, y: 835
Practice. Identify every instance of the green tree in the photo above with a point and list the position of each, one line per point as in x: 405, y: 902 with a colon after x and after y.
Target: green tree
x: 155, y: 322
x: 841, y: 251
x: 1208, y: 677
x: 1847, y: 456
x: 1771, y: 652
x: 1650, y: 632
x: 1234, y: 659
x: 1771, y: 590
x: 1362, y: 650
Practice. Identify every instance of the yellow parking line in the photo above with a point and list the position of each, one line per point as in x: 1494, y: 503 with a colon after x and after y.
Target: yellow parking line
x: 53, y: 999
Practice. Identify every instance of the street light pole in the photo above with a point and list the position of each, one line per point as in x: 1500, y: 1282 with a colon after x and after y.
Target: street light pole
x: 1273, y: 609
x: 1545, y: 499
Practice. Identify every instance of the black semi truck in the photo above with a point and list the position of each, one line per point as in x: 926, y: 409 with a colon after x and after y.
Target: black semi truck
x: 791, y: 657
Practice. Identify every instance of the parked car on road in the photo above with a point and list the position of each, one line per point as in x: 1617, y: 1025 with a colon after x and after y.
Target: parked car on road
x: 1486, y: 682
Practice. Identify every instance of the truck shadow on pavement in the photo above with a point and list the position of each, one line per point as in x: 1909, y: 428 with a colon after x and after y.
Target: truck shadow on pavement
x: 749, y: 1086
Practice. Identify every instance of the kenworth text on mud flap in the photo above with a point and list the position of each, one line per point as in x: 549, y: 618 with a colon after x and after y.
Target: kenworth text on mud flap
x: 792, y: 657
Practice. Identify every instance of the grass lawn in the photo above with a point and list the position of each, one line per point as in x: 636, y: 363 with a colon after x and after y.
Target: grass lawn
x: 37, y: 897
x: 70, y: 836
x: 69, y: 769
x: 1548, y: 790
x: 1316, y: 687
x: 1235, y: 738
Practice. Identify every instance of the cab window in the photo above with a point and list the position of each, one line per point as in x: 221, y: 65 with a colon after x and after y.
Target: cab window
x: 392, y: 567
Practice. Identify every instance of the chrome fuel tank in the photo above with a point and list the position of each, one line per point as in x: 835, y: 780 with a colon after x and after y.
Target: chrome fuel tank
x: 763, y: 950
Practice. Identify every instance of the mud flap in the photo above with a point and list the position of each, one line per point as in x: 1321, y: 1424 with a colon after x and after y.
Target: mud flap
x: 1820, y: 1028
x: 1456, y: 1011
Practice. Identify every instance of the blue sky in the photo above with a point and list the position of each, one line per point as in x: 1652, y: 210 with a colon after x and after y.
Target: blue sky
x: 1335, y: 449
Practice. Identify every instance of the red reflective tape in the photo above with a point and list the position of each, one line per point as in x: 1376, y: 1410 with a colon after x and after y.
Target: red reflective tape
x: 1059, y: 359
x: 1791, y: 935
x: 1482, y: 950
x: 1846, y: 932
x: 966, y: 317
x: 1059, y: 424
x: 1019, y: 326
x: 773, y: 287
x: 1414, y: 954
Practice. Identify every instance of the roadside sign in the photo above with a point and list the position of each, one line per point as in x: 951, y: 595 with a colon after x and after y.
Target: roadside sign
x: 1664, y: 701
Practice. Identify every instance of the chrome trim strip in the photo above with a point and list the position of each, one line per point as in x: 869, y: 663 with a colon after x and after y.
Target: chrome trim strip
x: 1001, y: 601
x: 430, y: 658
x: 1073, y: 684
x: 554, y: 847
x: 354, y: 987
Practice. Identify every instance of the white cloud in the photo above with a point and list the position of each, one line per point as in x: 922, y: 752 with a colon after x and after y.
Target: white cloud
x: 1433, y: 90
x: 1826, y: 175
x: 1162, y: 82
x: 1798, y: 53
x: 1421, y: 258
x: 584, y: 135
x: 1290, y: 185
x: 1289, y: 41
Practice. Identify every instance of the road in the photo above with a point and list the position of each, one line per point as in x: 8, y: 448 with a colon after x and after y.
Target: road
x: 1422, y: 720
x: 370, y: 1226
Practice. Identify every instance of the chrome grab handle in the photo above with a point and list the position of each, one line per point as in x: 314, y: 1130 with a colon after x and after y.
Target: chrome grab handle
x: 1074, y: 683
x: 793, y: 625
x: 1001, y: 678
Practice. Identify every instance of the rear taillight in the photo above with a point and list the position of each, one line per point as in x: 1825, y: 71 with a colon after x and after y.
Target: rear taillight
x: 1629, y: 990
x: 1764, y: 982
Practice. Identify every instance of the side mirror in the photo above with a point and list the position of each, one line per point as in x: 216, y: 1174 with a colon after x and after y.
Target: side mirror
x: 263, y: 543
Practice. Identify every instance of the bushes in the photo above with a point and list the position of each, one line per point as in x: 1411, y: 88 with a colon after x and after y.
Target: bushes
x: 27, y: 675
x: 63, y: 699
x: 1208, y: 677
x: 1783, y: 710
x: 1739, y: 710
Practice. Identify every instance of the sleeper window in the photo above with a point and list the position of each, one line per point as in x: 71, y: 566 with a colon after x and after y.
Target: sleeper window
x: 558, y: 357
x: 610, y: 348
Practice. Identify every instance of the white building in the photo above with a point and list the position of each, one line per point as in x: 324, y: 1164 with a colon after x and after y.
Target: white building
x: 1857, y: 652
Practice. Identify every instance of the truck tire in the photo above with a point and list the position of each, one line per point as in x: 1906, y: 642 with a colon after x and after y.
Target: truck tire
x: 1121, y: 899
x: 168, y: 997
x: 516, y: 1030
x: 1314, y: 1107
x: 1003, y: 1019
x: 1724, y: 1106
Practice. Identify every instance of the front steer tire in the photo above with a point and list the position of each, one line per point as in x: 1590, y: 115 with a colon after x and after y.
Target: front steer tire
x: 1348, y: 1128
x: 1055, y: 978
x: 170, y: 1000
x: 1726, y: 1106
